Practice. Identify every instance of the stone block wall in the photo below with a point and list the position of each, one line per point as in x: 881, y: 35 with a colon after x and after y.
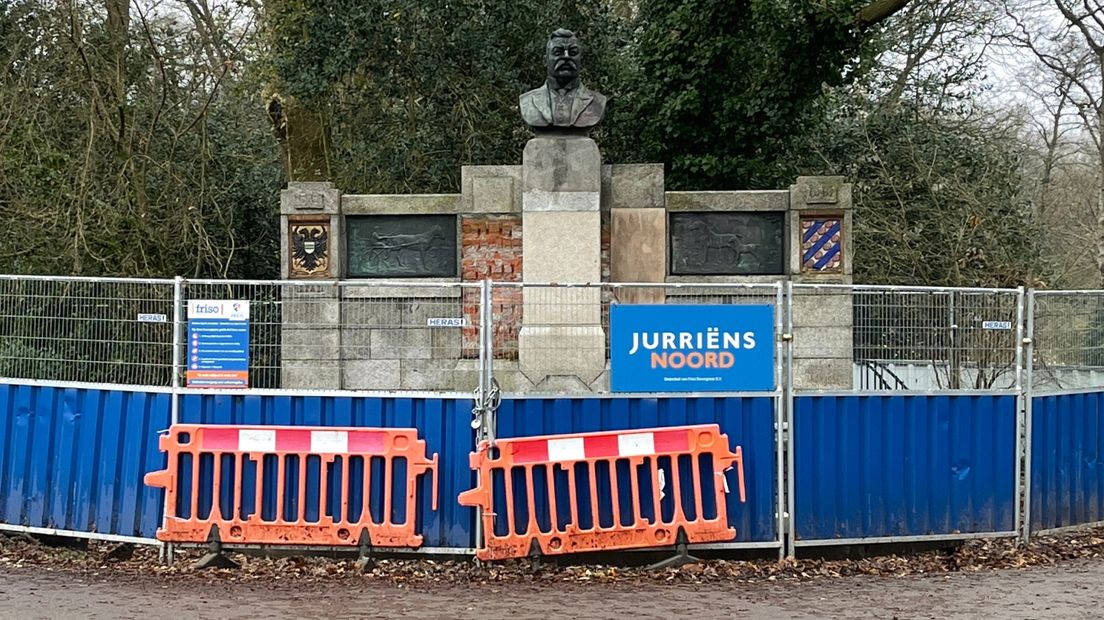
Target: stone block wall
x: 364, y: 347
x: 387, y: 344
x: 822, y: 339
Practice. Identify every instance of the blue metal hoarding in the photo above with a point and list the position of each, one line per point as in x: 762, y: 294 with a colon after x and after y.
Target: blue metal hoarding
x: 870, y: 465
x: 1067, y: 460
x: 74, y: 459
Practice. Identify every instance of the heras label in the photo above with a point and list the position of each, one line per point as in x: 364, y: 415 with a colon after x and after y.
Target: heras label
x: 447, y: 322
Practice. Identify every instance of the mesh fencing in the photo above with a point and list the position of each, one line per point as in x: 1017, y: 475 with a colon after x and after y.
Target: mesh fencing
x: 577, y: 317
x: 356, y: 335
x: 97, y: 331
x: 1068, y: 339
x: 936, y: 339
x: 370, y: 335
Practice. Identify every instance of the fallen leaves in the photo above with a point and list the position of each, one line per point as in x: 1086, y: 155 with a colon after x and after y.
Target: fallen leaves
x: 101, y: 561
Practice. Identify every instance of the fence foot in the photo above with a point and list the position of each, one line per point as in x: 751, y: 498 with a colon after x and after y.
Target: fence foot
x: 364, y: 559
x: 167, y: 554
x: 214, y: 557
x: 682, y: 554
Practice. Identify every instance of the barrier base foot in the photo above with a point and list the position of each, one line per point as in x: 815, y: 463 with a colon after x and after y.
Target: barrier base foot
x: 682, y: 555
x: 215, y: 560
x: 168, y: 554
x: 535, y: 556
x: 120, y: 553
x: 215, y: 557
x: 365, y: 561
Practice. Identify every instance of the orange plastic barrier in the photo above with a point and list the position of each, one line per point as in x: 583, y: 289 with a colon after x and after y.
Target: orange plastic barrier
x: 270, y: 451
x: 521, y: 480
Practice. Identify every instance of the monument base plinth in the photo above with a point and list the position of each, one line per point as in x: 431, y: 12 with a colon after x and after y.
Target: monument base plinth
x: 559, y: 350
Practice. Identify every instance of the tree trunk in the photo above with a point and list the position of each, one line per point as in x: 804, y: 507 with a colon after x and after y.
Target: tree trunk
x: 878, y: 11
x: 1100, y: 193
x: 303, y: 137
x: 118, y: 25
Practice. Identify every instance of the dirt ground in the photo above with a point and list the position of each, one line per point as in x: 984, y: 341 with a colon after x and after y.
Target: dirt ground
x: 1071, y: 590
x: 1055, y: 578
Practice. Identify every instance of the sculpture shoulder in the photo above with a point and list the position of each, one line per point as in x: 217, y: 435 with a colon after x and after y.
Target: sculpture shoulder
x: 531, y: 105
x: 534, y: 94
x: 594, y: 111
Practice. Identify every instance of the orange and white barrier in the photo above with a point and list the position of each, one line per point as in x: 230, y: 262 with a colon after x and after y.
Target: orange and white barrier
x: 232, y: 447
x: 548, y: 468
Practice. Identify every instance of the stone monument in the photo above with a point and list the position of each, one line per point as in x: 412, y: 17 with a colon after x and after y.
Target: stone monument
x: 562, y: 217
x: 561, y: 332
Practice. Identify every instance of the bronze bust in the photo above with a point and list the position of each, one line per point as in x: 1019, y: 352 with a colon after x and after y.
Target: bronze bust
x: 563, y: 101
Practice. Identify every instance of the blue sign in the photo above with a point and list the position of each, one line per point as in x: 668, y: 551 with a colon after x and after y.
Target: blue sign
x: 218, y: 344
x: 691, y: 348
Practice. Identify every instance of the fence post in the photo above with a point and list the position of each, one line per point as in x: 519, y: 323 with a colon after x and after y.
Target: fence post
x: 1027, y: 344
x: 487, y: 389
x: 482, y: 392
x: 779, y: 415
x: 178, y: 300
x: 167, y: 549
x: 787, y: 425
x: 1020, y: 399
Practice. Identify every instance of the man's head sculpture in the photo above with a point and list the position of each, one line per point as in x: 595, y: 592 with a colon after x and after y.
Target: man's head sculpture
x: 563, y: 57
x: 562, y: 103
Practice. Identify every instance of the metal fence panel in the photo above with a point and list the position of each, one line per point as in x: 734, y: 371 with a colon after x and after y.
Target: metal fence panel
x: 1067, y: 460
x: 1068, y: 340
x: 444, y: 423
x: 904, y: 466
x: 357, y: 335
x: 74, y: 459
x: 748, y: 421
x: 85, y: 329
x: 919, y: 338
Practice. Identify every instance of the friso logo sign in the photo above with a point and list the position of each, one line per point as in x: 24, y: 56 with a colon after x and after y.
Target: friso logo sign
x: 225, y: 310
x: 673, y: 348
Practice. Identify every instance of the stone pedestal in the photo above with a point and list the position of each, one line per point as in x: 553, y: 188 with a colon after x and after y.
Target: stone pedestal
x: 638, y: 230
x: 561, y: 333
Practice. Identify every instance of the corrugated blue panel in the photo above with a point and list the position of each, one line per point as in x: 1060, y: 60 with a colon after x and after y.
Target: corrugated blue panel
x: 445, y: 425
x: 903, y: 465
x: 74, y: 459
x: 748, y: 422
x: 1067, y: 460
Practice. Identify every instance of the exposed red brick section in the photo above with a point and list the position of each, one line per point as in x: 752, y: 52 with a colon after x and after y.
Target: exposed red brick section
x: 491, y: 248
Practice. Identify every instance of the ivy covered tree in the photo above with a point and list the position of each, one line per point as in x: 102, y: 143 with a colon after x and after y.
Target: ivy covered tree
x: 396, y: 96
x: 727, y: 85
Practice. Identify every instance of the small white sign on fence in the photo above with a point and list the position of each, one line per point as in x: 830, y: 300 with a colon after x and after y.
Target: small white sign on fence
x: 996, y: 325
x: 447, y: 322
x: 152, y: 318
